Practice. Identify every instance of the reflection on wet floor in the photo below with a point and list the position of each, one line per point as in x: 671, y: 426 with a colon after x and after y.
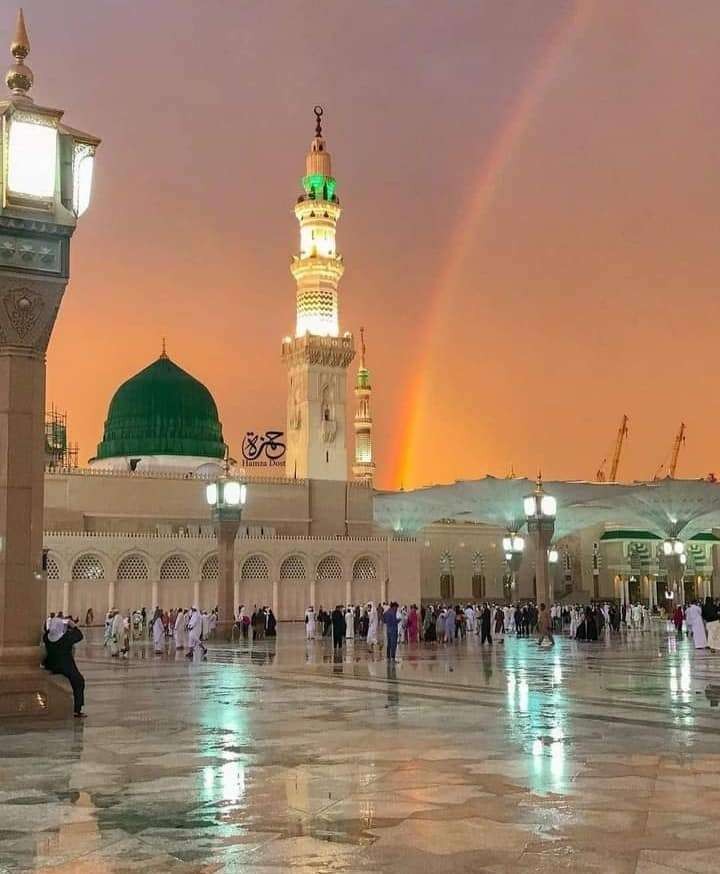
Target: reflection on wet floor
x: 284, y: 755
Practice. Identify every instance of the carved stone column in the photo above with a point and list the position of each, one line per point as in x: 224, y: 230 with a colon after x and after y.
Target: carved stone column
x: 28, y: 308
x: 227, y: 529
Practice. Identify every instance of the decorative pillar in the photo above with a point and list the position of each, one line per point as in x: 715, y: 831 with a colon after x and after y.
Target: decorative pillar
x: 228, y: 523
x: 313, y: 592
x: 276, y: 596
x: 111, y: 595
x: 196, y: 593
x: 384, y: 590
x: 348, y: 591
x: 66, y: 598
x: 236, y: 592
x: 540, y: 509
x: 154, y: 596
x: 45, y: 186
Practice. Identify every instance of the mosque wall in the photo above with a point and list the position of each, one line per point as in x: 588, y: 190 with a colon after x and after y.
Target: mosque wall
x: 100, y: 570
x: 470, y: 555
x: 119, y: 501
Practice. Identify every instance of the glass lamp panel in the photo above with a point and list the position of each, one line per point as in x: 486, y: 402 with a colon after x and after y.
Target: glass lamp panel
x: 211, y: 494
x: 231, y: 494
x: 548, y: 505
x: 32, y: 159
x: 83, y: 175
x: 529, y: 505
x: 553, y: 556
x: 507, y: 544
x: 518, y: 544
x: 667, y: 547
x: 243, y: 494
x: 679, y: 547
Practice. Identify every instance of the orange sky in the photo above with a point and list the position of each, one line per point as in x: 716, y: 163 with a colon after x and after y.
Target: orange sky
x: 516, y: 332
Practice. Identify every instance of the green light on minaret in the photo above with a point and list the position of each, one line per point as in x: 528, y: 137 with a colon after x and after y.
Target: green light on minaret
x: 320, y: 187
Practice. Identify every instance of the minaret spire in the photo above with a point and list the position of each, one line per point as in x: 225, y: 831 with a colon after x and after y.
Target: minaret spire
x: 319, y: 354
x: 19, y: 77
x: 364, y: 467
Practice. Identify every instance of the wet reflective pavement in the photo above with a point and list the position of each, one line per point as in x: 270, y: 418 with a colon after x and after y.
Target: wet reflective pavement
x: 274, y: 757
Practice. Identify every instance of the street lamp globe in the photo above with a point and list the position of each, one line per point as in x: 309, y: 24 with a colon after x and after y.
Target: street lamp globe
x: 48, y: 165
x: 226, y: 494
x: 553, y: 556
x: 673, y: 546
x: 539, y: 505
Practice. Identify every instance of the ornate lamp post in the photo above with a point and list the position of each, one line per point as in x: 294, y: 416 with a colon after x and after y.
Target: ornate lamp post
x: 226, y: 496
x: 540, y: 510
x: 46, y: 179
x: 513, y: 546
x: 675, y: 561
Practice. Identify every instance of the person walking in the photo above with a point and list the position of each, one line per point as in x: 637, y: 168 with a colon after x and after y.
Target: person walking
x: 339, y: 627
x: 710, y: 615
x: 390, y: 619
x: 485, y: 625
x: 544, y: 626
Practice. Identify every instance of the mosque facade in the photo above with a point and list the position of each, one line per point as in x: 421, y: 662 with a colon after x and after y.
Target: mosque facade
x: 133, y: 528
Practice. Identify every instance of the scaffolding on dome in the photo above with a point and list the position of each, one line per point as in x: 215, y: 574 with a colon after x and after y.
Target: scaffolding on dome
x: 59, y: 452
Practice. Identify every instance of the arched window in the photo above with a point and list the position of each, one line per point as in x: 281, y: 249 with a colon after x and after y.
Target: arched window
x: 132, y: 567
x: 88, y: 567
x: 53, y: 568
x: 255, y: 568
x: 364, y: 570
x: 330, y: 568
x: 175, y: 567
x: 210, y: 569
x: 293, y: 568
x: 447, y: 575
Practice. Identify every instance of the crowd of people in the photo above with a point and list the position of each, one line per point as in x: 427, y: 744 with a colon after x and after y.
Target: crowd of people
x: 185, y: 629
x: 377, y: 625
x: 448, y: 624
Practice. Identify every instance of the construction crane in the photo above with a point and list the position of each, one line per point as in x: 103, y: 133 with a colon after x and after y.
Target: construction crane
x: 619, y: 440
x: 672, y: 467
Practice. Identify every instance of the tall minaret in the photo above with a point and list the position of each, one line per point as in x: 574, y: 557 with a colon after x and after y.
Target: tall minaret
x: 364, y: 467
x: 317, y: 357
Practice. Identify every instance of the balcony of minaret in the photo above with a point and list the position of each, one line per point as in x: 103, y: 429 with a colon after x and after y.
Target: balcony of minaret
x: 329, y: 351
x: 309, y: 209
x: 317, y: 267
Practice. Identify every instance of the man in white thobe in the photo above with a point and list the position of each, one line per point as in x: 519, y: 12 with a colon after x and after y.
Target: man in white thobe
x: 372, y: 635
x: 180, y: 631
x: 695, y: 624
x: 349, y: 623
x: 116, y: 633
x: 310, y: 623
x: 194, y: 628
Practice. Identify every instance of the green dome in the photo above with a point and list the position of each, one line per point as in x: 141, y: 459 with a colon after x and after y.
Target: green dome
x: 162, y: 411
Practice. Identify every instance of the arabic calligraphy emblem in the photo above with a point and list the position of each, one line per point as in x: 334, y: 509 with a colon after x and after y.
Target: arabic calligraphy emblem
x: 270, y: 445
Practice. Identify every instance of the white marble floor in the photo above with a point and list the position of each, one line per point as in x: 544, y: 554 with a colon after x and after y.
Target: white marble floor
x: 589, y: 757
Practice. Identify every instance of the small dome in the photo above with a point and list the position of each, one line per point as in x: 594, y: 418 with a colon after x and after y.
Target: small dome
x: 162, y: 411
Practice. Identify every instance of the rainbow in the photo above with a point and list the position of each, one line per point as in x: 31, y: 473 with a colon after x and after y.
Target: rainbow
x: 489, y: 179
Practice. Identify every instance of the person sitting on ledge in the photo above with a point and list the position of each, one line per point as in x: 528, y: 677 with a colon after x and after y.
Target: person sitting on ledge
x: 60, y: 638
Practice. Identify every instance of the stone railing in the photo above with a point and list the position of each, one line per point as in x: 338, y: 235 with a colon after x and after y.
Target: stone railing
x: 245, y: 474
x: 155, y: 535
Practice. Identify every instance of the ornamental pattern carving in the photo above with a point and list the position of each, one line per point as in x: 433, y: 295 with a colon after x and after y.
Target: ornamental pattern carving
x: 23, y: 307
x: 28, y: 312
